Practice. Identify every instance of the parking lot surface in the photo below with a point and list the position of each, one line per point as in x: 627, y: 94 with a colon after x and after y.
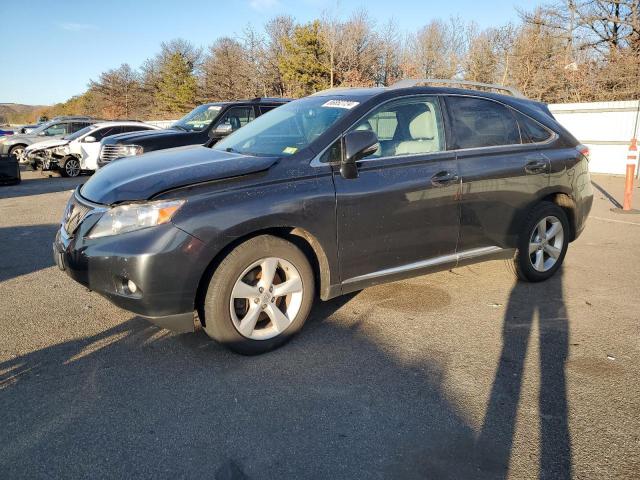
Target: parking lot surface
x: 460, y: 374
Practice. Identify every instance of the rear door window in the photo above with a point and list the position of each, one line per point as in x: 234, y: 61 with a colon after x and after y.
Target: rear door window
x: 75, y: 126
x: 266, y: 108
x: 481, y: 123
x: 105, y: 132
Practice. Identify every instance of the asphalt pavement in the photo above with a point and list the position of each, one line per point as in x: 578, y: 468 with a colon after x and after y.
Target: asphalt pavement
x: 460, y: 374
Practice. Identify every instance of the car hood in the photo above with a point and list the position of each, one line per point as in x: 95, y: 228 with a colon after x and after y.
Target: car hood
x: 46, y: 144
x: 29, y: 139
x: 133, y: 137
x: 140, y: 178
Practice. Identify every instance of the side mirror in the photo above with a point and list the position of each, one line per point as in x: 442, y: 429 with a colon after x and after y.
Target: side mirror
x: 357, y: 145
x: 222, y: 129
x: 89, y: 139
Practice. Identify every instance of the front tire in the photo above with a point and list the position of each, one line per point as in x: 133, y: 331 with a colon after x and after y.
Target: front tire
x: 17, y: 152
x: 70, y: 167
x: 542, y: 244
x: 259, y: 296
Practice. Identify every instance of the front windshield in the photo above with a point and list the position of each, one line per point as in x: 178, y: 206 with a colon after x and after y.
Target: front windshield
x: 79, y: 133
x: 287, y: 129
x: 198, y: 119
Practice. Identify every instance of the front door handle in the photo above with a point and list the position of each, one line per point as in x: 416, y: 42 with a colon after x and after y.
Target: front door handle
x: 537, y: 166
x: 444, y: 178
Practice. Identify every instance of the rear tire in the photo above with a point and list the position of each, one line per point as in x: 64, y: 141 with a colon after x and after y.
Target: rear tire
x: 259, y: 296
x: 542, y: 244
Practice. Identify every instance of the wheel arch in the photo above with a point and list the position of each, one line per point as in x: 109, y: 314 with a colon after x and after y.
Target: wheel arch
x: 568, y: 205
x: 300, y: 237
x: 16, y: 145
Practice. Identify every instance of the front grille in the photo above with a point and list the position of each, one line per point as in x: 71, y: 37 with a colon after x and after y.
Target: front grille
x: 74, y: 214
x: 111, y: 152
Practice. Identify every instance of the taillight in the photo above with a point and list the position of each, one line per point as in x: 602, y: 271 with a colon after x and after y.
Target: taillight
x: 584, y: 151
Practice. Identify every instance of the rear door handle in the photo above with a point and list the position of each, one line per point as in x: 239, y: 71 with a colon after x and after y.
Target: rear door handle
x: 536, y: 166
x: 444, y: 178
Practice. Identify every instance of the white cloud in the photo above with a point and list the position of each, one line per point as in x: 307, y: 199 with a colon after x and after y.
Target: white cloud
x: 76, y: 27
x: 264, y: 4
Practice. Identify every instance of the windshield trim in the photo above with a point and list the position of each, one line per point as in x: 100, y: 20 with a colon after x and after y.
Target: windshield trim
x: 311, y: 102
x: 181, y: 123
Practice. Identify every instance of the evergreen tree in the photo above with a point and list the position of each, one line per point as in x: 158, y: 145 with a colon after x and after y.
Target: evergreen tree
x: 177, y: 88
x: 304, y: 64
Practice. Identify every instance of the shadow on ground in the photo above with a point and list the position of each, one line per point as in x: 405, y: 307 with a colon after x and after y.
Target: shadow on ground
x: 528, y: 302
x: 39, y: 186
x: 25, y: 249
x: 135, y: 400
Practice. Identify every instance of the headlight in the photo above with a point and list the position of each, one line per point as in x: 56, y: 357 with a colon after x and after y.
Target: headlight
x: 134, y: 216
x: 131, y: 150
x: 62, y: 150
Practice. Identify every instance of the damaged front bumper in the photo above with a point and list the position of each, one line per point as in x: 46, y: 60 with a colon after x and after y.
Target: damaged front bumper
x: 163, y: 262
x: 43, y: 160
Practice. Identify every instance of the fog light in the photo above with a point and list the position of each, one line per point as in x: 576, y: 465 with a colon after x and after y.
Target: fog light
x: 133, y: 288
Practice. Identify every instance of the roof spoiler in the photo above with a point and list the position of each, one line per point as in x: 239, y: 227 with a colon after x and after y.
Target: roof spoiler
x: 413, y: 82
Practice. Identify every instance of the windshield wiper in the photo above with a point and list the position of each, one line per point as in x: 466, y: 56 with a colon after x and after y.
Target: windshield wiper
x: 179, y: 127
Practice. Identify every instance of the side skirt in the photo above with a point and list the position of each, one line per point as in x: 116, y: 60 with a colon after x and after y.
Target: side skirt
x: 444, y: 262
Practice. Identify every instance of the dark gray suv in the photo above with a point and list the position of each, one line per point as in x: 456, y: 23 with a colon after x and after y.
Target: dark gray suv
x: 323, y: 196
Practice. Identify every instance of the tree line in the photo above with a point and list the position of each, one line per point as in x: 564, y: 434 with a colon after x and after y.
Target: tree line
x: 567, y: 51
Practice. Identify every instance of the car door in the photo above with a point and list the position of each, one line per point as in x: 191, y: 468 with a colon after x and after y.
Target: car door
x: 57, y: 130
x: 91, y: 150
x: 400, y: 215
x: 233, y: 119
x: 500, y: 175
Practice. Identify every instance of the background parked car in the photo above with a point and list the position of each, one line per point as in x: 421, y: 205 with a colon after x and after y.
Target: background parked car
x: 209, y: 122
x: 78, y: 152
x: 14, y: 145
x: 27, y: 128
x: 5, y: 132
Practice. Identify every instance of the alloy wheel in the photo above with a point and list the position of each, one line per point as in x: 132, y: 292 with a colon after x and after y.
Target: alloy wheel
x: 72, y: 167
x: 545, y: 243
x: 266, y: 298
x: 18, y: 154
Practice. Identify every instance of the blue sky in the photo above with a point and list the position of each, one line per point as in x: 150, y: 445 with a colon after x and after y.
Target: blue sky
x: 54, y: 48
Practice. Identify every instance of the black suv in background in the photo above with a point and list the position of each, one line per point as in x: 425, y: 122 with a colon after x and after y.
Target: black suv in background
x: 207, y: 123
x: 327, y: 195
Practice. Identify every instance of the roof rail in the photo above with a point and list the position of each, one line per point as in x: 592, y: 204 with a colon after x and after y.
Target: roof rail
x: 269, y: 99
x: 412, y: 82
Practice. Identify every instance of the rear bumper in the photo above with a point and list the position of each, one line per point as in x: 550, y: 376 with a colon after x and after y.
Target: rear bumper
x: 583, y: 194
x: 162, y: 261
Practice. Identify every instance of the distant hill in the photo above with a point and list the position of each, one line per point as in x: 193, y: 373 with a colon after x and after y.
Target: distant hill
x: 19, y: 113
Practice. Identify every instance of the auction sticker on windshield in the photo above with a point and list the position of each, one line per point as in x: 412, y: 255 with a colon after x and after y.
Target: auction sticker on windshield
x: 340, y: 104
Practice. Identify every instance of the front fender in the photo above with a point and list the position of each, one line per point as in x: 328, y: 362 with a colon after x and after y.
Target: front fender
x: 304, y: 207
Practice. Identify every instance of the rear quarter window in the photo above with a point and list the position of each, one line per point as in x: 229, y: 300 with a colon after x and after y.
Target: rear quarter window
x: 479, y: 123
x: 532, y: 131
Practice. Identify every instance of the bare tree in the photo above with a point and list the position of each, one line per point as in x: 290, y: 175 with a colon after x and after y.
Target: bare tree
x: 226, y: 71
x: 279, y: 30
x: 436, y: 50
x: 119, y: 91
x: 357, y: 59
